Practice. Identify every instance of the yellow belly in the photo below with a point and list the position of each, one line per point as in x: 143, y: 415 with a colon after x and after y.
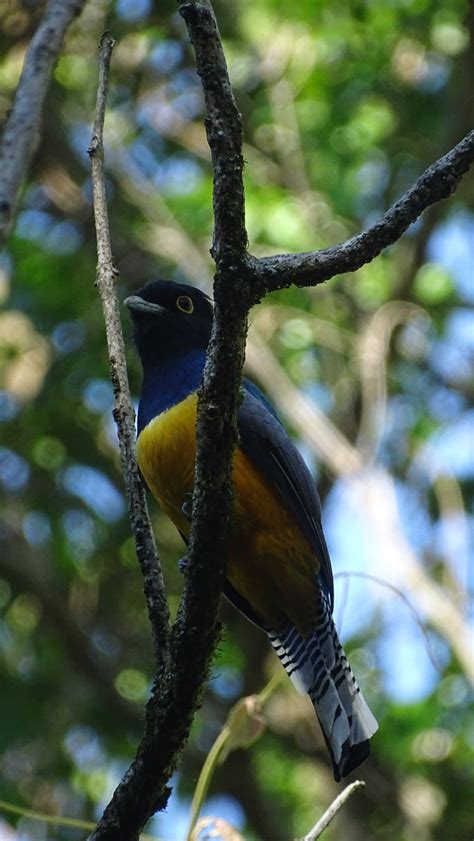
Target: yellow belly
x: 165, y: 453
x: 269, y: 560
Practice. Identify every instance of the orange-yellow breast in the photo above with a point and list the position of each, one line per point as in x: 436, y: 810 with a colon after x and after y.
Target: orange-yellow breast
x: 269, y: 561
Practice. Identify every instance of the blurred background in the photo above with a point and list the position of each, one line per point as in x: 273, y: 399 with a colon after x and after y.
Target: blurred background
x: 344, y: 105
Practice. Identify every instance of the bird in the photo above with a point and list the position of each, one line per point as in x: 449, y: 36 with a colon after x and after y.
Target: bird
x: 278, y: 570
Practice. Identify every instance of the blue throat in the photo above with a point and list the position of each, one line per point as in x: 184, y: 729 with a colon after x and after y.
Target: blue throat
x: 169, y: 383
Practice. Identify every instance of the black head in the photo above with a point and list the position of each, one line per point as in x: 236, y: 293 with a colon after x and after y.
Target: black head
x: 169, y: 319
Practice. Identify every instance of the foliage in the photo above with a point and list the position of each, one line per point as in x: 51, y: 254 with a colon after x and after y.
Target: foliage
x: 343, y: 107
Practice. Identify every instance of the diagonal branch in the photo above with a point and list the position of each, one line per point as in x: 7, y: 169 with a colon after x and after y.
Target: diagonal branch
x: 308, y: 269
x: 22, y: 129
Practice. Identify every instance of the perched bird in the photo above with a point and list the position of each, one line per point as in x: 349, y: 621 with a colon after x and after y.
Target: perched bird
x: 278, y: 570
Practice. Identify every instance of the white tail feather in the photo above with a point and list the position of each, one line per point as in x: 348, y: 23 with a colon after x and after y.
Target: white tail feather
x: 318, y: 665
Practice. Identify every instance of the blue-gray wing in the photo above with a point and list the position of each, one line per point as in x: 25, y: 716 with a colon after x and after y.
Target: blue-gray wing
x: 265, y: 442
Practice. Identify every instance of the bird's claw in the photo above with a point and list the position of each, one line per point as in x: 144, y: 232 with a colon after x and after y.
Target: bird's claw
x: 187, y: 506
x: 183, y: 564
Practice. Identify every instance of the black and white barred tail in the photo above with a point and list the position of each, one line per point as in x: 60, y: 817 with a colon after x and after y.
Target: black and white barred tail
x: 317, y: 665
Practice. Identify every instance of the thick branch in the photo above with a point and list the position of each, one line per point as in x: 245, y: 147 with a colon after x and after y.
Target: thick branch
x: 123, y: 410
x: 196, y: 630
x: 22, y: 128
x: 308, y: 269
x: 224, y: 132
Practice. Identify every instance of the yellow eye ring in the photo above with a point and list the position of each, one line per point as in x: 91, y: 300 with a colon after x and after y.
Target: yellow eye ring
x: 185, y: 304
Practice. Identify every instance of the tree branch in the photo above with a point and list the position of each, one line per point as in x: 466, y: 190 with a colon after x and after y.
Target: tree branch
x: 219, y: 393
x: 331, y: 813
x: 22, y: 128
x: 123, y: 410
x: 224, y: 131
x: 308, y: 269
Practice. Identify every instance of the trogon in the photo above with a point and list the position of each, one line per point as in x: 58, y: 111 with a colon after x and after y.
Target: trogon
x: 278, y: 570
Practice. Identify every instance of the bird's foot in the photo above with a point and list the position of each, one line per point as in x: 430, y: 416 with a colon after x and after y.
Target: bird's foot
x: 183, y: 564
x: 187, y: 506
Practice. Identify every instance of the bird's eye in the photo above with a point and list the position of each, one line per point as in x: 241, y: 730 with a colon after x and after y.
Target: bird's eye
x: 185, y: 304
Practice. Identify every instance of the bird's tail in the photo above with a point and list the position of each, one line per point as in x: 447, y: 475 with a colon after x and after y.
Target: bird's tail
x: 318, y: 665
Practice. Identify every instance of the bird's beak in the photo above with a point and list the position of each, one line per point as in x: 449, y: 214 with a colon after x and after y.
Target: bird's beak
x: 137, y: 304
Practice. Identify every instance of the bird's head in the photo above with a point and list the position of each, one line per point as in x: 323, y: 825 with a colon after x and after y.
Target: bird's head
x: 170, y: 319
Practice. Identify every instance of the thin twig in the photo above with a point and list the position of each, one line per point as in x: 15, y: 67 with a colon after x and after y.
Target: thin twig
x: 220, y: 748
x: 308, y: 269
x: 22, y: 129
x: 382, y: 583
x: 331, y: 813
x: 210, y: 764
x: 376, y: 497
x: 123, y: 410
x: 57, y: 820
